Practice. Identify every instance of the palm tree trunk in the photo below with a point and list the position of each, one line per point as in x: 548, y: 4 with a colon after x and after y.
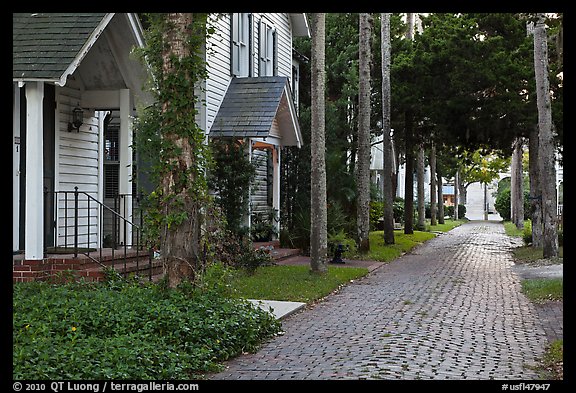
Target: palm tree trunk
x: 546, y: 141
x: 363, y: 166
x: 516, y: 189
x: 318, y: 213
x: 387, y: 142
x: 421, y: 226
x: 433, y: 205
x: 535, y: 193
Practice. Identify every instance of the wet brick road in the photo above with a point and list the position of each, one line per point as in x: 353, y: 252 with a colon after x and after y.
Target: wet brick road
x: 451, y: 309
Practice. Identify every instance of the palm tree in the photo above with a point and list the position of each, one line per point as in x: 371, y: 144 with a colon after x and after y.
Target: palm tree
x: 318, y: 214
x: 363, y: 166
x: 546, y: 140
x: 387, y: 142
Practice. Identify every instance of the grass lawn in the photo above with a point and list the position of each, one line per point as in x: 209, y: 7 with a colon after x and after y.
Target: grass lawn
x: 448, y: 225
x: 403, y: 243
x: 296, y: 283
x: 541, y: 290
x: 531, y: 254
x: 552, y: 366
x: 292, y: 283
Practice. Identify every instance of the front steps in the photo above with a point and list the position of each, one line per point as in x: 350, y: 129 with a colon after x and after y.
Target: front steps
x: 66, y: 267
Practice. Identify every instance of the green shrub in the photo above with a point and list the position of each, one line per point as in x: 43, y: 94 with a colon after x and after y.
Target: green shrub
x: 376, y: 215
x: 502, y: 204
x: 341, y: 238
x: 263, y: 226
x: 398, y: 209
x: 449, y: 210
x: 130, y: 331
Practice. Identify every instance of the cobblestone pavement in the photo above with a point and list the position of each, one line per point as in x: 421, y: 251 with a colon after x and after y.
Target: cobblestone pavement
x: 450, y: 309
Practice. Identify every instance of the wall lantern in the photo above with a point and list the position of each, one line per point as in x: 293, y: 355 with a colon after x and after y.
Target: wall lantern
x: 77, y: 120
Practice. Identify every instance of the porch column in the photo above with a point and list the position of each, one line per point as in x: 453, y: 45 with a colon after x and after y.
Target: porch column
x: 248, y: 219
x: 125, y: 171
x: 276, y: 185
x: 34, y: 198
x: 16, y: 169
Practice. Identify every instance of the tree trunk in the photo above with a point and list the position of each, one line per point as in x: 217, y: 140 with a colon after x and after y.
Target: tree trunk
x: 440, y: 198
x: 318, y: 213
x: 535, y: 189
x: 363, y: 166
x: 456, y: 198
x: 433, y: 205
x: 387, y: 142
x: 420, y: 185
x: 516, y: 188
x: 408, y: 125
x: 409, y: 178
x: 546, y: 141
x: 181, y: 240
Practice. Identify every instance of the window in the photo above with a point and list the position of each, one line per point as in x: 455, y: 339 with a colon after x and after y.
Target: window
x: 241, y: 44
x: 267, y: 50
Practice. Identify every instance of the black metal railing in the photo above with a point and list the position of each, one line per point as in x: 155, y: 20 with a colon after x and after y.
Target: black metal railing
x: 88, y: 221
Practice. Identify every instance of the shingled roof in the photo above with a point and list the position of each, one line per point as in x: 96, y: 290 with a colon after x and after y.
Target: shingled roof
x: 45, y: 45
x: 251, y: 105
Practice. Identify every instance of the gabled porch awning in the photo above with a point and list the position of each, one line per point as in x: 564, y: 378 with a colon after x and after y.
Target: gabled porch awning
x: 259, y: 107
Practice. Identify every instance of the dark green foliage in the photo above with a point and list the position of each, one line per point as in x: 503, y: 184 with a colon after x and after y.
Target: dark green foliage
x: 230, y: 179
x: 228, y: 248
x: 376, y: 215
x: 263, y: 225
x: 168, y: 139
x: 502, y: 204
x: 449, y: 211
x: 129, y: 331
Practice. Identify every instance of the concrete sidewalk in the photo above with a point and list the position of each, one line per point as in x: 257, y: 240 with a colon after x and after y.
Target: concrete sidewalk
x: 280, y: 309
x: 450, y: 309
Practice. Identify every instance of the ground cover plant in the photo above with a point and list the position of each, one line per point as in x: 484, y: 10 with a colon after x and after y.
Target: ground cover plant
x: 129, y: 331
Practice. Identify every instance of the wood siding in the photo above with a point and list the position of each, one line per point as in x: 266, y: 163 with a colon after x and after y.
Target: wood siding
x: 218, y: 56
x: 77, y: 165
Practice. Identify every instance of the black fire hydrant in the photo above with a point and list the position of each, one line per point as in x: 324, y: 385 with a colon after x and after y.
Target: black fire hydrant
x: 338, y: 254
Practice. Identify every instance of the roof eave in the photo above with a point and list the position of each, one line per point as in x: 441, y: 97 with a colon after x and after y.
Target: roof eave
x: 84, y: 50
x: 300, y: 26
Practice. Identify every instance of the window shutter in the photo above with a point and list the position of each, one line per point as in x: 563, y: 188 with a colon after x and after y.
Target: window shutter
x: 250, y: 44
x: 232, y: 41
x: 275, y: 52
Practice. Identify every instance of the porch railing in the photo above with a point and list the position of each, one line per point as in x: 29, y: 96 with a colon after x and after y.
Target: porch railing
x: 88, y: 213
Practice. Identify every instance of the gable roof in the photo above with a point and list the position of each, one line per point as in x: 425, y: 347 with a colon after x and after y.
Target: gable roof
x: 50, y: 46
x: 250, y: 107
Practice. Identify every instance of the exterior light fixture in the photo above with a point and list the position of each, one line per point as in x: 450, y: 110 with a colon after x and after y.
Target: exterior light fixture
x: 77, y: 120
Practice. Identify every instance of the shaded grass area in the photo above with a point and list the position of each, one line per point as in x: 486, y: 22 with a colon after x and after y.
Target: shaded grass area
x: 541, y: 290
x: 532, y: 254
x: 552, y: 366
x: 403, y: 243
x: 292, y: 283
x: 448, y: 225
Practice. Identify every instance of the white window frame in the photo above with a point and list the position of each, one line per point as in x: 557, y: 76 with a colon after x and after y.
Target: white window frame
x: 240, y: 44
x: 267, y: 49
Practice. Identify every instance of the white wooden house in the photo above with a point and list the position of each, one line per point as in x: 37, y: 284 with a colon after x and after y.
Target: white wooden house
x: 70, y: 64
x: 66, y: 64
x: 251, y: 92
